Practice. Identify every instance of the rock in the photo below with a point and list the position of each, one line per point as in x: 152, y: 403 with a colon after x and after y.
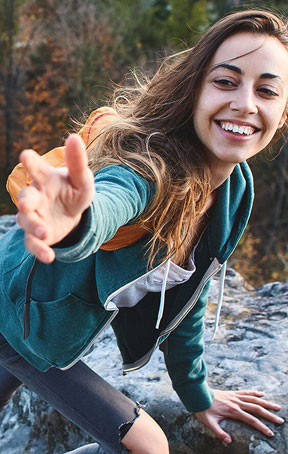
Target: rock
x: 273, y: 289
x: 249, y: 351
x: 6, y: 223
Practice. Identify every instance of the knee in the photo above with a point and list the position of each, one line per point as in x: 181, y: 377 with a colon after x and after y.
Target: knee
x: 146, y: 437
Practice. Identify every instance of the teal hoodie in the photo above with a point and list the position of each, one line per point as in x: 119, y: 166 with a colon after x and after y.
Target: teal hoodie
x: 62, y: 307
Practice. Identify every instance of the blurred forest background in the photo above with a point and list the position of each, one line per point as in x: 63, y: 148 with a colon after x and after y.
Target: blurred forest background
x: 59, y: 60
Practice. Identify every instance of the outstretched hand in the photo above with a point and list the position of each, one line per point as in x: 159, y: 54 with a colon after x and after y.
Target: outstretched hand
x: 52, y: 207
x: 241, y: 405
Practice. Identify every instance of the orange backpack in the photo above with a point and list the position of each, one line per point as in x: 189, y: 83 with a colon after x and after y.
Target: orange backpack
x: 18, y: 179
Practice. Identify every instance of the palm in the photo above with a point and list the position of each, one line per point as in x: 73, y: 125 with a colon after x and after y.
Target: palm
x: 52, y: 207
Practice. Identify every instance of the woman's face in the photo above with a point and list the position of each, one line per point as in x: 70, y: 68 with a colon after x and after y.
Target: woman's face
x: 243, y: 99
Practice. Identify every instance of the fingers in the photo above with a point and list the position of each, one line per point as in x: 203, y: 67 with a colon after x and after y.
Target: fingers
x: 258, y: 410
x: 76, y: 161
x: 250, y: 402
x: 254, y: 422
x: 264, y: 403
x: 29, y: 199
x: 34, y: 165
x: 249, y: 392
x: 39, y: 249
x: 212, y: 422
x: 32, y: 225
x: 247, y: 406
x: 28, y: 218
x: 80, y: 176
x: 52, y: 208
x: 35, y: 235
x: 220, y: 433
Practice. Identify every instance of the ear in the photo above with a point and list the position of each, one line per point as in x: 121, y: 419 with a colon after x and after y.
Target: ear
x: 283, y: 118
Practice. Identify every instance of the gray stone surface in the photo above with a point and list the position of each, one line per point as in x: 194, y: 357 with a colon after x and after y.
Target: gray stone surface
x: 249, y: 351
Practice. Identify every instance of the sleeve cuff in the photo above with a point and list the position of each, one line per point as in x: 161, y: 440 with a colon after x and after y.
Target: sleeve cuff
x: 72, y: 247
x: 196, y: 398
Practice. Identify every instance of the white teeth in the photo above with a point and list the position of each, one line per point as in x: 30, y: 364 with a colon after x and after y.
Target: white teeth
x: 246, y: 130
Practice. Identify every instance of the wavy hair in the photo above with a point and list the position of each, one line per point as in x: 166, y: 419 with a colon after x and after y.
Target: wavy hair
x: 155, y: 136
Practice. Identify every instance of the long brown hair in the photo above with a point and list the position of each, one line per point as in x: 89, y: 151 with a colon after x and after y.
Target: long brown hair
x: 154, y: 134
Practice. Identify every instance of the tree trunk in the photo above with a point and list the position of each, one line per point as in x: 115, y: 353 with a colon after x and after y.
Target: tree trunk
x: 9, y: 86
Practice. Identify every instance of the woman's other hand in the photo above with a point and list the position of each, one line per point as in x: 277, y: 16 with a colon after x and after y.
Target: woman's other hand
x: 52, y: 207
x: 246, y: 406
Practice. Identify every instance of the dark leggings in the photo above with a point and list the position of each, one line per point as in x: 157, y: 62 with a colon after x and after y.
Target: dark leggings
x: 78, y: 393
x: 8, y: 387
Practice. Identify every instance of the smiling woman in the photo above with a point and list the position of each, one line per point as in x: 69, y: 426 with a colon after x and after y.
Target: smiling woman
x: 242, y: 101
x: 168, y: 166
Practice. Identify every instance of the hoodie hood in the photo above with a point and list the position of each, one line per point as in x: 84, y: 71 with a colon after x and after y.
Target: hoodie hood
x: 231, y: 212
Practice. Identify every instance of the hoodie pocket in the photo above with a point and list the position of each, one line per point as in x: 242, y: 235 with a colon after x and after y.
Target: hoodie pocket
x: 61, y: 329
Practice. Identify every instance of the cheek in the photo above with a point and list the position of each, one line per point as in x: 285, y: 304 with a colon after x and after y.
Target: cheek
x: 201, y: 117
x: 199, y: 128
x: 275, y: 123
x: 196, y: 121
x: 272, y: 128
x: 278, y: 116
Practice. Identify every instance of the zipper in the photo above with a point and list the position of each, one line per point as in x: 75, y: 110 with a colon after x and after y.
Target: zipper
x: 106, y: 304
x: 213, y: 269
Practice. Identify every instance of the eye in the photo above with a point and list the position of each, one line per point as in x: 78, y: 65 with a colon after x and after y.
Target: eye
x: 267, y: 91
x: 225, y: 83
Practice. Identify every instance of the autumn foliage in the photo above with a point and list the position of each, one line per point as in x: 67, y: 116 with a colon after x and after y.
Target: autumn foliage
x: 60, y: 59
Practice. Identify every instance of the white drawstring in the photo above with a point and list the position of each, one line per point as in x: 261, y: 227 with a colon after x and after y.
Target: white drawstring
x: 219, y: 302
x: 220, y: 299
x: 162, y: 298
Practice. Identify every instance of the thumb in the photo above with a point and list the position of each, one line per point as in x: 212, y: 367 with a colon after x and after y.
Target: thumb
x: 212, y: 423
x: 76, y: 160
x: 220, y: 433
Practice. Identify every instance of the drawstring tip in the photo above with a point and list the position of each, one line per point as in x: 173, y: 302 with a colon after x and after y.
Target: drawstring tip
x: 26, y: 321
x: 162, y: 297
x: 220, y: 300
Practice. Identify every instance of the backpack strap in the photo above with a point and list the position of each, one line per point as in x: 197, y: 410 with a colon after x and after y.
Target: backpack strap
x: 125, y: 236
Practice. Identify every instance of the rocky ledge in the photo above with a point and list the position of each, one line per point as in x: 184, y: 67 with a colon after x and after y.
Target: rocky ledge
x: 249, y: 352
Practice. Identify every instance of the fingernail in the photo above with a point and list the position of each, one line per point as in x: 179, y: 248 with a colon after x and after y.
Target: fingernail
x: 270, y: 433
x: 280, y: 420
x: 227, y: 440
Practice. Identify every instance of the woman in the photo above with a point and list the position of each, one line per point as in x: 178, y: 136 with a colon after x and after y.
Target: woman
x: 170, y: 167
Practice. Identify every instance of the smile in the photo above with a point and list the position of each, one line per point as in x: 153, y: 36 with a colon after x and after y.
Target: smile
x: 237, y: 128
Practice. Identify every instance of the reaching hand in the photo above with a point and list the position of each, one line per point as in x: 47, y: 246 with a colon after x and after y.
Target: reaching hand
x: 52, y: 207
x: 242, y: 405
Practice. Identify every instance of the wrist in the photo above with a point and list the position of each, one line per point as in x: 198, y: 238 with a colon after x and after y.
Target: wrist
x: 73, y: 237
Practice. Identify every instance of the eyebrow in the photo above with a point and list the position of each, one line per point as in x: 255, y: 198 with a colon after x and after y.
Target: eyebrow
x: 227, y: 66
x: 238, y: 70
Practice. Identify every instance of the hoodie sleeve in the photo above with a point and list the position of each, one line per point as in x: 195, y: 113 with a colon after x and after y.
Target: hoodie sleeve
x: 184, y: 359
x: 121, y: 197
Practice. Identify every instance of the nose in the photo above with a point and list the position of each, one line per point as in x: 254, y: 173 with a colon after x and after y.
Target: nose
x: 244, y: 101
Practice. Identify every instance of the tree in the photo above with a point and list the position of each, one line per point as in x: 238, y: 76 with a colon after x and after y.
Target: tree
x: 11, y: 61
